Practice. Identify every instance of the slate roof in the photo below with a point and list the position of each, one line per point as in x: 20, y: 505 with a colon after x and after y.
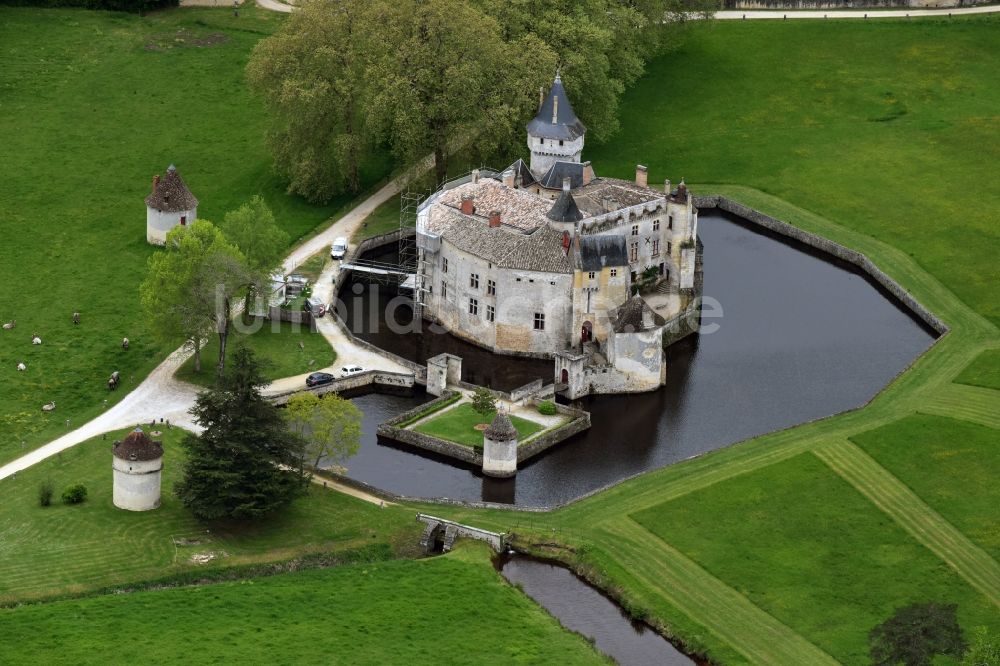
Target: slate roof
x: 521, y: 169
x: 171, y: 195
x: 501, y: 429
x: 597, y: 251
x: 636, y: 315
x: 137, y: 446
x: 564, y: 209
x: 566, y: 126
x: 553, y: 178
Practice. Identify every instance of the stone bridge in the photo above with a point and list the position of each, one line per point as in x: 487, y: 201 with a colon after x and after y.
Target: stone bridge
x: 448, y: 530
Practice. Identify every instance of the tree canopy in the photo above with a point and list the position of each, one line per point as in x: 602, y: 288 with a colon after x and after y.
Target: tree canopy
x: 245, y: 463
x: 915, y: 634
x: 331, y: 427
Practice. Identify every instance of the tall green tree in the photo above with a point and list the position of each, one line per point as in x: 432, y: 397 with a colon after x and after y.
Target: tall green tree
x: 330, y: 426
x: 311, y: 75
x: 244, y: 465
x: 450, y: 79
x: 915, y: 634
x: 253, y: 229
x: 184, y: 282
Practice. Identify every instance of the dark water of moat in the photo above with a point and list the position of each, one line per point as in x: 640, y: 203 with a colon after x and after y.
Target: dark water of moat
x: 800, y: 338
x: 581, y: 608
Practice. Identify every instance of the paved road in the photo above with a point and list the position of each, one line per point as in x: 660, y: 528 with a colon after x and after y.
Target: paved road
x: 160, y: 395
x: 779, y: 14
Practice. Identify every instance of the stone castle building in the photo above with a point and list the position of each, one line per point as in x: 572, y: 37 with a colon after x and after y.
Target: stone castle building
x: 137, y: 462
x: 168, y: 205
x: 547, y: 259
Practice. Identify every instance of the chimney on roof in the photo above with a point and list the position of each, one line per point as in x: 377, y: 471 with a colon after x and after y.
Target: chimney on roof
x: 475, y: 176
x: 567, y: 182
x: 555, y: 108
x: 565, y: 242
x: 666, y: 187
x: 494, y: 219
x: 588, y: 172
x: 156, y: 181
x: 508, y: 178
x: 641, y: 175
x: 468, y: 208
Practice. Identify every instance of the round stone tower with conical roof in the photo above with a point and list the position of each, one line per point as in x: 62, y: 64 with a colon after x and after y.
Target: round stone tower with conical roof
x: 169, y: 204
x: 138, y: 463
x: 555, y: 134
x: 500, y: 447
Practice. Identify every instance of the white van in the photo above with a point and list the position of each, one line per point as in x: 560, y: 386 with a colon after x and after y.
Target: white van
x: 350, y: 370
x: 339, y: 248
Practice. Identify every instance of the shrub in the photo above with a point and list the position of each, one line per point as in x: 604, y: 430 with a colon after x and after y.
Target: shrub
x: 547, y: 407
x: 75, y: 494
x: 45, y: 493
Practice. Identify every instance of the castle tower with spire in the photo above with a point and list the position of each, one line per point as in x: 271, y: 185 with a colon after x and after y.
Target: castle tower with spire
x: 555, y: 134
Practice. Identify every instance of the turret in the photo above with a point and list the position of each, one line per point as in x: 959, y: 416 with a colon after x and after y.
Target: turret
x: 555, y: 134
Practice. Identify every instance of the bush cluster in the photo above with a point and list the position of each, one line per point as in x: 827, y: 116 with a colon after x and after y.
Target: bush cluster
x: 74, y: 494
x: 547, y: 407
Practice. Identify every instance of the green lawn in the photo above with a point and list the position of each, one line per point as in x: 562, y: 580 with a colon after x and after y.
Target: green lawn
x: 953, y: 465
x: 459, y: 425
x: 92, y: 104
x: 984, y: 371
x: 57, y: 549
x: 276, y: 344
x: 832, y: 568
x: 450, y: 609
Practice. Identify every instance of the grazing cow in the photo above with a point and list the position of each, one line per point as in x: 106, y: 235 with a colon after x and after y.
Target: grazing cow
x: 21, y: 367
x: 49, y: 406
x: 113, y: 381
x: 76, y: 317
x: 124, y: 343
x: 35, y: 340
x: 10, y: 324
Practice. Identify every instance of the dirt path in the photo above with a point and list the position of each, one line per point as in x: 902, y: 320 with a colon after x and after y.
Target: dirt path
x: 353, y: 492
x: 160, y: 395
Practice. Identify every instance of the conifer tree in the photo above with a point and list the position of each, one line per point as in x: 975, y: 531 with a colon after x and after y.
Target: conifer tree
x: 245, y: 464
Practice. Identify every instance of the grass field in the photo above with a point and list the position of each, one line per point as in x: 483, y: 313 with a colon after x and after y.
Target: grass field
x: 459, y: 425
x: 453, y: 609
x: 93, y: 104
x: 276, y: 345
x: 984, y: 371
x: 61, y: 548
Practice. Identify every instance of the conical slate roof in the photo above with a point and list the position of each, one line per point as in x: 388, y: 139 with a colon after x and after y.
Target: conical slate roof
x: 137, y: 446
x: 555, y: 118
x: 171, y: 194
x: 501, y: 429
x: 565, y: 209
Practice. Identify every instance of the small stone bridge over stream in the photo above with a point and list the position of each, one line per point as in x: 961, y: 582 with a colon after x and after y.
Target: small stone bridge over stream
x: 446, y: 531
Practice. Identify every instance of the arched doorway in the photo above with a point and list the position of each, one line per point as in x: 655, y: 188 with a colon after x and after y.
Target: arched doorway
x: 565, y: 376
x: 587, y: 333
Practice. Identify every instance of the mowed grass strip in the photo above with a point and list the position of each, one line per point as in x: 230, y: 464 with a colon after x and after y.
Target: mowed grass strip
x: 276, y: 345
x: 458, y: 425
x: 58, y: 549
x: 831, y: 569
x: 964, y: 464
x: 453, y: 609
x: 968, y: 403
x: 984, y: 371
x: 94, y: 103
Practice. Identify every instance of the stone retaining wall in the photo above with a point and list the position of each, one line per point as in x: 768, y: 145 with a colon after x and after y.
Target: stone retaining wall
x: 580, y: 421
x: 377, y: 380
x: 837, y: 250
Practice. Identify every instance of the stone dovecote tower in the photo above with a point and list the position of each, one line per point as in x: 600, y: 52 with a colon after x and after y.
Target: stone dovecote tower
x: 555, y: 134
x: 169, y: 204
x: 500, y: 447
x: 137, y: 462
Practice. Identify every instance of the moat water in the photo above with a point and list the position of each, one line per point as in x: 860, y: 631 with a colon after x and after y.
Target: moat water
x: 583, y: 609
x: 800, y: 337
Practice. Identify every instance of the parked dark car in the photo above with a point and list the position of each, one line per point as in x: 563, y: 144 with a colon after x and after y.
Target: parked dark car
x: 315, y: 306
x: 319, y: 378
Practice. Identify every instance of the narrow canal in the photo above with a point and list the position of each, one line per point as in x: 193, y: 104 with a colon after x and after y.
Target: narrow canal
x: 800, y: 338
x: 583, y: 609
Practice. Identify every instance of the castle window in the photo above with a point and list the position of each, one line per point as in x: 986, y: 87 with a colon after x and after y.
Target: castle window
x: 490, y: 313
x: 635, y: 229
x: 184, y: 220
x: 518, y: 279
x: 668, y: 247
x: 591, y: 275
x: 473, y: 306
x: 560, y: 142
x: 491, y: 288
x: 614, y: 272
x: 444, y: 289
x: 444, y: 264
x: 656, y: 225
x: 541, y: 142
x: 474, y: 280
x: 670, y: 221
x: 633, y: 251
x: 656, y: 247
x: 539, y: 321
